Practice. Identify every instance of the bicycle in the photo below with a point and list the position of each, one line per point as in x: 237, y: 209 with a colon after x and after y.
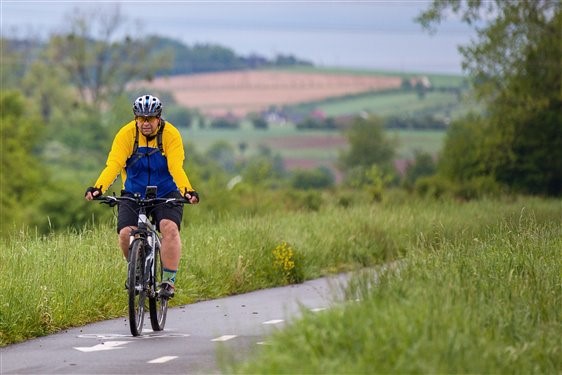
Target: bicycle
x: 144, y: 274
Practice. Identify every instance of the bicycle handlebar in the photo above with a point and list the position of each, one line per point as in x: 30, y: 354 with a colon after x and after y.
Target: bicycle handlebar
x: 113, y: 200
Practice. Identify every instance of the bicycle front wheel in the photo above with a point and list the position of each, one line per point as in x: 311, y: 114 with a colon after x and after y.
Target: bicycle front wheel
x: 158, y: 305
x: 137, y: 291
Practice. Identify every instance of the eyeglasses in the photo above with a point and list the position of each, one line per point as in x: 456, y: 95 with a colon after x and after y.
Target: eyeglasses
x: 143, y: 119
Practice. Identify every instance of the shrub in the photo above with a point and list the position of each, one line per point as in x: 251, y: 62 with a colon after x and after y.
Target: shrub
x: 318, y: 178
x: 435, y: 186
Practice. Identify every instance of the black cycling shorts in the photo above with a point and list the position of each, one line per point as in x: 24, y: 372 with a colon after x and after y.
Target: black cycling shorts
x: 128, y: 212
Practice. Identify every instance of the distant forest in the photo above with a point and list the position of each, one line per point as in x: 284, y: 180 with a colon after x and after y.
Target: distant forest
x: 201, y: 58
x: 180, y: 58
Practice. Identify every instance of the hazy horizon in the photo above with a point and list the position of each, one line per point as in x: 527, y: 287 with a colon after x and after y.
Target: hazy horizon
x: 377, y: 35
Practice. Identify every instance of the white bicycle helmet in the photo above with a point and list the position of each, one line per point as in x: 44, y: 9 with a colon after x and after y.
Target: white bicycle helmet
x: 147, y: 105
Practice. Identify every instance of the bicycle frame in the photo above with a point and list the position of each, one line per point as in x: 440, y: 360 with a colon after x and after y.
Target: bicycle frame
x: 148, y: 232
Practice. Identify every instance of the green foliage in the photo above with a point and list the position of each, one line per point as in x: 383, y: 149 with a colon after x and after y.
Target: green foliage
x: 225, y: 123
x: 179, y: 116
x: 330, y: 240
x: 461, y: 158
x: 43, y: 267
x: 368, y: 145
x: 420, y: 122
x: 77, y: 211
x: 516, y: 68
x: 311, y: 123
x: 223, y: 154
x: 48, y: 86
x: 480, y: 187
x: 208, y: 57
x: 435, y: 187
x: 259, y: 122
x: 468, y: 297
x: 372, y: 179
x: 531, y: 105
x: 423, y: 165
x: 264, y: 169
x: 15, y: 56
x: 319, y: 178
x: 242, y: 260
x: 22, y: 177
x: 98, y: 65
x: 299, y: 200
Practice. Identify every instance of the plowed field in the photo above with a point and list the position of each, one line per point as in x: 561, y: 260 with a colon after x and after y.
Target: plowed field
x: 239, y: 93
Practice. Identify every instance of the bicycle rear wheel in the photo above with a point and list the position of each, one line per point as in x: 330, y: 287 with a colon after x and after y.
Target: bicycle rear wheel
x: 137, y: 291
x: 158, y: 305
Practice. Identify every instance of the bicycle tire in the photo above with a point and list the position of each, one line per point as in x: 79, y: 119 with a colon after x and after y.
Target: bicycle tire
x: 137, y: 290
x: 158, y: 306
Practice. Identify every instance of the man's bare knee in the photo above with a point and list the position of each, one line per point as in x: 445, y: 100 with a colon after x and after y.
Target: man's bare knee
x: 169, y: 229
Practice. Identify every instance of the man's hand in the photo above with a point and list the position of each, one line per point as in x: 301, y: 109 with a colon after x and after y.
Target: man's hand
x: 91, y: 193
x: 192, y: 197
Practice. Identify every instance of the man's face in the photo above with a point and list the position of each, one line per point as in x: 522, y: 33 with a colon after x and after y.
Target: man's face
x: 147, y: 124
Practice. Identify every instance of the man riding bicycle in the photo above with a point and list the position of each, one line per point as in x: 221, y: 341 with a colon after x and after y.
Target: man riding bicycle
x: 148, y: 151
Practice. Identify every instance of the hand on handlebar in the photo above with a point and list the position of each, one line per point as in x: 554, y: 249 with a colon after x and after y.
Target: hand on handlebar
x: 92, y: 192
x: 192, y: 197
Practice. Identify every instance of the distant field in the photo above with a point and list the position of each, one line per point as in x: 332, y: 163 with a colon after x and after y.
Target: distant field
x: 437, y: 80
x: 335, y: 92
x: 389, y: 104
x: 242, y: 92
x: 307, y: 149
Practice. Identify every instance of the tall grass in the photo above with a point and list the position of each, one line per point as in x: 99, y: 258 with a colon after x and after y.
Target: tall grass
x: 51, y: 282
x: 48, y: 283
x: 480, y: 298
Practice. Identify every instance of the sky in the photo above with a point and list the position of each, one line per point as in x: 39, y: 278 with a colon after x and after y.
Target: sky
x: 377, y: 34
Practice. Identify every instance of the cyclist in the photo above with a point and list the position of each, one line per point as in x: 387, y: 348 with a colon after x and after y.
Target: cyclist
x: 148, y: 151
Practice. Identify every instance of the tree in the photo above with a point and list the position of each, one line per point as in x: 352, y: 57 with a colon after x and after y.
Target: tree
x: 368, y: 145
x: 264, y: 168
x: 318, y: 178
x: 15, y: 58
x: 516, y: 67
x: 21, y: 175
x: 48, y: 85
x: 179, y: 116
x: 422, y: 166
x: 223, y: 153
x: 98, y: 65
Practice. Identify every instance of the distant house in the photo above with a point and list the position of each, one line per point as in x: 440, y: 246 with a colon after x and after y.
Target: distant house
x: 420, y: 82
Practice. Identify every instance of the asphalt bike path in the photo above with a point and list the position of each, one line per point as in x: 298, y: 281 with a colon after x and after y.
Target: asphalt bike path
x: 195, y: 339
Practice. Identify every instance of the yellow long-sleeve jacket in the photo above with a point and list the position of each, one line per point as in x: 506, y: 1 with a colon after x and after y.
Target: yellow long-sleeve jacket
x: 148, y: 166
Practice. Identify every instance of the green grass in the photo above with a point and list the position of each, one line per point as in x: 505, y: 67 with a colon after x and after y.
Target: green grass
x: 437, y: 80
x: 396, y: 103
x: 48, y: 283
x: 479, y: 276
x: 480, y: 298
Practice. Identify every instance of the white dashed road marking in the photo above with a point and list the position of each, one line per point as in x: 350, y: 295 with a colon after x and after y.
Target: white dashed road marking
x: 108, y: 345
x: 274, y: 321
x: 163, y: 359
x: 224, y: 338
x: 317, y: 309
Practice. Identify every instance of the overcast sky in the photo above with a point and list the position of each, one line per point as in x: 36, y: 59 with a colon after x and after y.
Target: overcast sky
x: 360, y: 34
